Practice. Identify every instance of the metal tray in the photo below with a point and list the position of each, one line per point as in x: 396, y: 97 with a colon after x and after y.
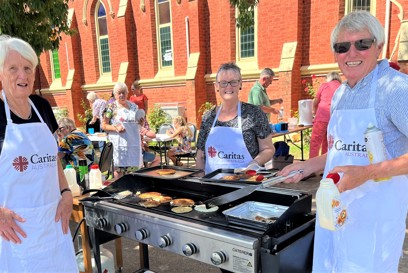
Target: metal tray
x: 217, y: 175
x: 180, y: 172
x: 246, y: 214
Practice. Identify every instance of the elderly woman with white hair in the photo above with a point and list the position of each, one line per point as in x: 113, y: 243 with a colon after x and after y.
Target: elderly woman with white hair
x: 98, y: 106
x: 119, y: 121
x: 73, y: 145
x: 35, y: 200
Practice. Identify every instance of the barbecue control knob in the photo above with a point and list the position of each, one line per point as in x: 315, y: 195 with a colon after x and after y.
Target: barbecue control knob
x: 218, y: 257
x: 141, y: 234
x: 189, y: 249
x: 121, y: 228
x: 165, y: 241
x: 101, y: 222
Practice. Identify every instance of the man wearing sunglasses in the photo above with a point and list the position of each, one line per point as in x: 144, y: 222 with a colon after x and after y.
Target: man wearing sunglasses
x: 373, y: 233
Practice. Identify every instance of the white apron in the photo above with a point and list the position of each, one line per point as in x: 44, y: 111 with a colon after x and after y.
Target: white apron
x: 29, y: 187
x: 376, y: 210
x: 127, y: 151
x: 225, y: 146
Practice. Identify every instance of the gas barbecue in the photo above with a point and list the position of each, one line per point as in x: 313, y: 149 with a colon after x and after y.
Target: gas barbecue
x: 237, y: 246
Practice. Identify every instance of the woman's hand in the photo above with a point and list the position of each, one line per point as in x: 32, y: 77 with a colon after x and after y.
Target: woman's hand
x: 64, y: 210
x: 8, y: 227
x: 120, y: 128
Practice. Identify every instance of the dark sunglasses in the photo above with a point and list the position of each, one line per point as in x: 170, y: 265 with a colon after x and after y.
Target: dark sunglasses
x: 360, y: 45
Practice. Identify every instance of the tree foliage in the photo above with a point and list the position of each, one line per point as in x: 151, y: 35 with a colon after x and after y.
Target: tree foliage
x: 245, y: 8
x: 38, y: 22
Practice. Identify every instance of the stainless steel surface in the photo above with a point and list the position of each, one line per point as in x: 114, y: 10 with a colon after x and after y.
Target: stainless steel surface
x: 254, y: 214
x: 222, y: 248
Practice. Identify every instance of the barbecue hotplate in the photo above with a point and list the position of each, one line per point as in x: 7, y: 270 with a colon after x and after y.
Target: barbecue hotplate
x: 299, y: 204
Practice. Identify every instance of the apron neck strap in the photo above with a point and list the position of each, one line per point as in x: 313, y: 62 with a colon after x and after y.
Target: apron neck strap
x: 239, y: 115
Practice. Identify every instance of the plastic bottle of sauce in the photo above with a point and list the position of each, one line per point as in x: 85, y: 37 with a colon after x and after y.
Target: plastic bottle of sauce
x: 95, y: 177
x: 376, y: 151
x: 70, y: 174
x: 331, y: 214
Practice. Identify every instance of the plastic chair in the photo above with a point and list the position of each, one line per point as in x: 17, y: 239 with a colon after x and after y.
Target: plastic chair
x: 164, y: 127
x: 106, y: 159
x: 193, y: 139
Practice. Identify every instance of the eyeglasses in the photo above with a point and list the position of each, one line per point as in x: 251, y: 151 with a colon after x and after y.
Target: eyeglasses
x: 360, y: 45
x: 60, y: 129
x: 233, y: 83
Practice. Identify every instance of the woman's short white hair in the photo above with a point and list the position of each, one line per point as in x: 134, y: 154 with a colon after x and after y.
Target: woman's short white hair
x: 67, y: 122
x: 92, y: 96
x: 120, y: 86
x: 23, y: 48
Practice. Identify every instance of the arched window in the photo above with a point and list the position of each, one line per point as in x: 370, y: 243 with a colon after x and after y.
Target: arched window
x: 164, y: 33
x: 102, y: 39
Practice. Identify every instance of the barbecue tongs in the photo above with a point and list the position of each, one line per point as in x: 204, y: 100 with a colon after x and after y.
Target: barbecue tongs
x: 245, y: 191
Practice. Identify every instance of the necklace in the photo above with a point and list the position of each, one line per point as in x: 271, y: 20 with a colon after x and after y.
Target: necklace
x: 18, y: 114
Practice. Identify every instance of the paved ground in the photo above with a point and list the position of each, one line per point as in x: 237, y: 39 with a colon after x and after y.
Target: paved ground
x: 163, y: 261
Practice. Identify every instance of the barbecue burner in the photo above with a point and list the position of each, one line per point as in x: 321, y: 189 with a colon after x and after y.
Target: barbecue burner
x: 237, y: 246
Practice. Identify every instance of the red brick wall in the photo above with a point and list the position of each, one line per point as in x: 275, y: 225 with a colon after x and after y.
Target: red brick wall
x: 212, y: 33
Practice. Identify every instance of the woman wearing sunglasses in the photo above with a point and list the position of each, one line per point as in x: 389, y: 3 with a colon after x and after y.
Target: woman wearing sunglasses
x: 372, y: 236
x: 235, y: 134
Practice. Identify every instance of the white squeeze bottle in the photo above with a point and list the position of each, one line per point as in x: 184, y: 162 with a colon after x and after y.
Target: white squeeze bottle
x: 331, y: 214
x: 70, y: 174
x: 95, y: 177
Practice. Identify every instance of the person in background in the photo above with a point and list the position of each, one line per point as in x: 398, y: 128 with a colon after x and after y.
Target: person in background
x: 111, y: 99
x: 98, y: 106
x: 138, y: 97
x: 395, y: 66
x: 149, y: 158
x: 73, y: 144
x: 235, y: 129
x: 259, y: 96
x: 119, y: 121
x: 321, y: 112
x: 183, y: 135
x: 35, y: 200
x: 371, y: 239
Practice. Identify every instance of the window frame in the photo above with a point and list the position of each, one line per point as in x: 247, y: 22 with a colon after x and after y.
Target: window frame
x: 54, y: 78
x: 247, y: 63
x: 98, y: 41
x: 158, y: 29
x: 349, y: 7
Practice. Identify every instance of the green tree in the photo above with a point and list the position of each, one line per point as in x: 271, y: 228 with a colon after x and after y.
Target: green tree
x: 245, y: 8
x: 38, y: 22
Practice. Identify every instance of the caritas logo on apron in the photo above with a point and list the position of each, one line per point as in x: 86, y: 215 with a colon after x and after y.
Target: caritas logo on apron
x: 212, y: 152
x: 36, y: 162
x: 354, y: 149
